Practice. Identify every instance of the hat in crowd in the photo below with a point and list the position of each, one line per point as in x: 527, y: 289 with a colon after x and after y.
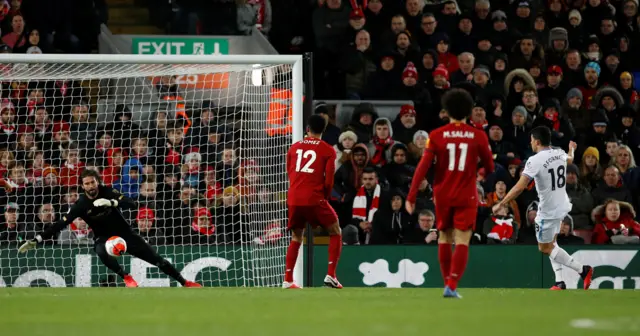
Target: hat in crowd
x: 574, y: 93
x: 12, y: 206
x: 407, y: 109
x: 420, y: 133
x: 626, y: 74
x: 593, y: 65
x: 498, y: 16
x: 522, y: 110
x: 558, y: 33
x: 410, y: 71
x: 626, y: 111
x: 600, y: 118
x: 192, y: 156
x: 146, y: 213
x: 593, y: 152
x: 348, y: 135
x: 321, y: 108
x: 5, y: 48
x: 49, y: 170
x: 592, y: 39
x: 441, y: 70
x: 483, y: 69
x: 441, y: 37
x: 574, y: 13
x: 360, y: 149
x: 515, y: 162
x: 524, y: 4
x: 572, y: 168
x: 356, y: 14
x: 495, y: 122
x: 554, y: 70
x: 230, y: 191
x: 551, y: 103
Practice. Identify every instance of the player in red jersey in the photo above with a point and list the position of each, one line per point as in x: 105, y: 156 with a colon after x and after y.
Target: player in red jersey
x: 310, y: 166
x: 456, y: 148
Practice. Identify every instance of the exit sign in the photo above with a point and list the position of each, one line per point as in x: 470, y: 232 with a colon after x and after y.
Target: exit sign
x: 180, y: 46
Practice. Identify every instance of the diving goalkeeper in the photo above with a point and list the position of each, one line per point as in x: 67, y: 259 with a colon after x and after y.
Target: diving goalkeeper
x: 99, y: 207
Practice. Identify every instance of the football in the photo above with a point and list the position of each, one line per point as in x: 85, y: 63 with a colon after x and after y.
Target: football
x: 116, y: 246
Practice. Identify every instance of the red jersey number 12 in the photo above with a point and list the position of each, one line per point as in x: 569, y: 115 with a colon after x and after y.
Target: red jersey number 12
x: 309, y: 155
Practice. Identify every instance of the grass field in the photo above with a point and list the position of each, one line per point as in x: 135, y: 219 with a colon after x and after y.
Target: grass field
x: 317, y: 311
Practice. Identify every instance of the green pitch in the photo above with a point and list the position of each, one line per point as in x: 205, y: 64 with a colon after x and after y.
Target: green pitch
x: 317, y: 311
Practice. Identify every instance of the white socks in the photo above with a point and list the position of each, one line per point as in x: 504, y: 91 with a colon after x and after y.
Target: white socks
x: 557, y: 269
x: 559, y: 255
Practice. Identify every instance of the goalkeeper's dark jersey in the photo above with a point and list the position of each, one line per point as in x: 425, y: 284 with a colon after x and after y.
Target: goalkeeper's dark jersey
x: 103, y: 221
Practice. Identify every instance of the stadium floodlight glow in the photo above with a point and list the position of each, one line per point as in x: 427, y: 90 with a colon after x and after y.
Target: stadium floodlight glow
x: 258, y: 103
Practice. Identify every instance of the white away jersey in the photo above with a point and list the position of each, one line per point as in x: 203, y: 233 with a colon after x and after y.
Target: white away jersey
x: 549, y: 170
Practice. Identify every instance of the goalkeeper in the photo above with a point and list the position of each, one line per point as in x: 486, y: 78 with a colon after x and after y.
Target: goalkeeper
x: 98, y: 206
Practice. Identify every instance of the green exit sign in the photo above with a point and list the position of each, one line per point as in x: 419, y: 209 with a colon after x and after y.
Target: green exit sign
x: 180, y: 46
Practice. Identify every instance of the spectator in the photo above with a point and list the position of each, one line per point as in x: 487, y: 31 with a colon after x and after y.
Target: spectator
x: 581, y: 199
x: 392, y: 225
x: 72, y: 166
x: 615, y: 223
x: 366, y: 204
x: 228, y: 224
x: 10, y: 232
x: 115, y: 160
x: 77, y: 232
x: 417, y: 146
x: 629, y: 133
x: 424, y: 232
x: 46, y: 218
x: 362, y: 121
x: 519, y: 132
x: 131, y: 178
x: 381, y: 143
x: 501, y: 228
x: 590, y: 169
x: 399, y: 172
x: 32, y: 45
x: 191, y: 170
x: 228, y: 168
x: 82, y: 130
x: 404, y: 126
x: 497, y: 195
x: 612, y: 187
x: 346, y: 142
x: 332, y: 132
x: 147, y: 227
x: 503, y: 150
x: 561, y: 129
x: 101, y: 148
x: 359, y: 64
x: 213, y: 188
x: 122, y: 127
x: 16, y: 37
x: 566, y: 235
x: 527, y: 233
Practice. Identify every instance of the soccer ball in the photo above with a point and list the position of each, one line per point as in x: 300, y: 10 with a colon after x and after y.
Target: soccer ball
x: 116, y: 246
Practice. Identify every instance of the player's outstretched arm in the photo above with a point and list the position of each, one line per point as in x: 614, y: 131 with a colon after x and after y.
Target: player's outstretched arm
x: 114, y: 198
x: 67, y: 219
x: 514, y: 192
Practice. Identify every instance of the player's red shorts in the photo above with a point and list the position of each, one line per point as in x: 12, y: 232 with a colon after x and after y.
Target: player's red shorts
x: 462, y: 218
x: 316, y: 215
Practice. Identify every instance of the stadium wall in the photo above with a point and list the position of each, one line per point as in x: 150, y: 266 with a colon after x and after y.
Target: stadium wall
x: 360, y: 266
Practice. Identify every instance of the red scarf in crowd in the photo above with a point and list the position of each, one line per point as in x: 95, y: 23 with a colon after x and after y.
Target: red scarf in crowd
x: 80, y: 233
x: 479, y: 125
x: 173, y: 156
x: 360, y: 204
x: 556, y: 121
x: 502, y: 228
x: 379, y: 157
x: 8, y: 129
x: 261, y: 11
x: 207, y: 231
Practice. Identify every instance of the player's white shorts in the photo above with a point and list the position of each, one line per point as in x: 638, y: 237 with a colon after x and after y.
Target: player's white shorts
x: 547, y: 229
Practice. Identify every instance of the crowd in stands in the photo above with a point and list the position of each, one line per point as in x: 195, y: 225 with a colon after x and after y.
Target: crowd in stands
x: 566, y: 65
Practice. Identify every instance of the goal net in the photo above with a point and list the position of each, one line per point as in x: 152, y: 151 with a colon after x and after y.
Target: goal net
x: 198, y: 142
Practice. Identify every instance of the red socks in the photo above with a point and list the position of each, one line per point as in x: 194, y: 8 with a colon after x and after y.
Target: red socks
x: 444, y: 256
x: 335, y: 247
x: 458, y: 265
x: 292, y: 256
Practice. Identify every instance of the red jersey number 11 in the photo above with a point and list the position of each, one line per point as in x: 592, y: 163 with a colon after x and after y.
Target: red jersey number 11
x: 309, y: 155
x: 462, y: 160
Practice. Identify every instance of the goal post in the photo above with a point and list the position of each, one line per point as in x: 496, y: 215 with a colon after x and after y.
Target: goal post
x: 203, y: 154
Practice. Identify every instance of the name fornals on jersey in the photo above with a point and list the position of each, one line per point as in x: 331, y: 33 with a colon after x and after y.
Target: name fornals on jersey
x: 554, y: 158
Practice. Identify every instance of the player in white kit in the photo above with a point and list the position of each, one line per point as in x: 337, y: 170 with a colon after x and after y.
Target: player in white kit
x: 548, y: 169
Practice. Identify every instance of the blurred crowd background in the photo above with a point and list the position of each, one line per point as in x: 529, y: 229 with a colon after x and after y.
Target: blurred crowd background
x: 568, y: 65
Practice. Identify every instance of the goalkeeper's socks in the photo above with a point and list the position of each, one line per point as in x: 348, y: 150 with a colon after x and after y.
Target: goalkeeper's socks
x: 292, y: 256
x: 335, y: 247
x: 460, y: 257
x: 444, y: 256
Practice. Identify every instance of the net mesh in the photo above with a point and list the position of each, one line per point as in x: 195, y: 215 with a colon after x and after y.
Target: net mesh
x: 200, y: 148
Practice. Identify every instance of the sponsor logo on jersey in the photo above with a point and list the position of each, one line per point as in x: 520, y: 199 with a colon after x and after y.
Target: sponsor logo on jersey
x: 408, y: 272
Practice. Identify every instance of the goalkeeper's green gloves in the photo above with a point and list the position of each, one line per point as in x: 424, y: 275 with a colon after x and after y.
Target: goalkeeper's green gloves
x: 30, y: 244
x: 103, y: 202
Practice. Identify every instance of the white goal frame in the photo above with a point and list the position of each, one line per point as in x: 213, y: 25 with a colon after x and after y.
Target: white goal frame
x: 297, y: 88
